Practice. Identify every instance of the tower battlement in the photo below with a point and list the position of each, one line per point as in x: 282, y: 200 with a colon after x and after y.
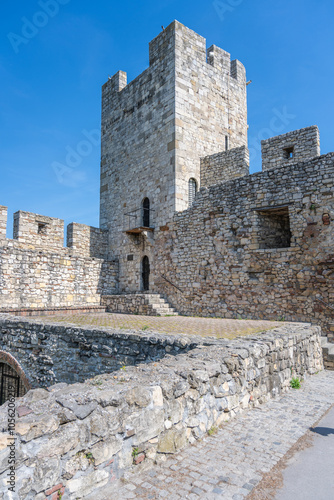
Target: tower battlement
x: 178, y: 43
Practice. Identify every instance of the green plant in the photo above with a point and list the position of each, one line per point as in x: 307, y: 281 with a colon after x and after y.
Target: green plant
x: 90, y: 457
x: 281, y: 318
x: 59, y: 495
x: 295, y: 383
x: 135, y: 453
x: 213, y: 430
x: 123, y: 368
x: 145, y: 327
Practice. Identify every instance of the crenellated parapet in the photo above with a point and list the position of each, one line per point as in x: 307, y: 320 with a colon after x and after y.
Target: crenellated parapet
x: 288, y: 149
x: 3, y: 222
x: 38, y: 230
x: 87, y: 241
x: 225, y: 166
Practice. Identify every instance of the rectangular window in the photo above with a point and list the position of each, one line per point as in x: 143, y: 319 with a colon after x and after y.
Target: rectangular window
x: 288, y: 153
x: 273, y: 226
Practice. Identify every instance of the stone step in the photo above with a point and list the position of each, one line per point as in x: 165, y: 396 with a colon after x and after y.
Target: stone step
x: 328, y: 353
x: 160, y: 305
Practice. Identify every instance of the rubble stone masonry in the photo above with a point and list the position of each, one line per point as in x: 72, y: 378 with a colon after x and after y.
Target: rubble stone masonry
x: 260, y: 246
x: 78, y: 438
x: 37, y: 272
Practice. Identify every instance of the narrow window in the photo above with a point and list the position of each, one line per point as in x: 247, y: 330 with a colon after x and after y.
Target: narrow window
x: 288, y: 153
x: 192, y: 190
x: 146, y: 212
x: 145, y: 270
x: 226, y: 143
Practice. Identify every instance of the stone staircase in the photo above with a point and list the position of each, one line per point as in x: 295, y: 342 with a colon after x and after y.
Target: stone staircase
x: 328, y: 353
x: 144, y: 303
x: 160, y: 305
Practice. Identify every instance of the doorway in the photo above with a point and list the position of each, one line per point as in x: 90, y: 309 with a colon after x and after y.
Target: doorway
x: 10, y: 383
x: 145, y: 274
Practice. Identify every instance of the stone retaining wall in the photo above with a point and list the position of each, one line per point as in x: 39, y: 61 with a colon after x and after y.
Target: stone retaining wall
x: 76, y: 439
x: 52, y: 352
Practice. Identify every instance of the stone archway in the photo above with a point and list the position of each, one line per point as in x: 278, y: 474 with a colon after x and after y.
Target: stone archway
x: 13, y: 380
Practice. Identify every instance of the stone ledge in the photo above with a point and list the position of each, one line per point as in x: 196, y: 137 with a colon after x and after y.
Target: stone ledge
x: 53, y: 311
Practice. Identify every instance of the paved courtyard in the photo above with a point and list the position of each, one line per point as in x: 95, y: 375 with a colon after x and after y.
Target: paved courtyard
x: 205, y: 327
x: 231, y: 464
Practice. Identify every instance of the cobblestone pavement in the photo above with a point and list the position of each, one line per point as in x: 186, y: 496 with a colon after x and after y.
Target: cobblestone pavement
x: 206, y: 327
x: 229, y: 464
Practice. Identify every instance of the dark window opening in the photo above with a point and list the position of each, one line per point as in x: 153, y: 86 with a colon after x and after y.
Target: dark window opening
x: 145, y: 274
x: 129, y: 258
x: 10, y: 383
x: 274, y: 228
x: 42, y: 228
x: 192, y: 191
x: 146, y: 212
x: 288, y: 153
x: 226, y: 143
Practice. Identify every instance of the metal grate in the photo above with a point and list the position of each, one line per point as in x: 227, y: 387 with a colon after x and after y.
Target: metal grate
x: 10, y: 383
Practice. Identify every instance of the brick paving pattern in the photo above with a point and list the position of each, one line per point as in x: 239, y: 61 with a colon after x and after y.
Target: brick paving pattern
x: 229, y: 464
x: 205, y: 327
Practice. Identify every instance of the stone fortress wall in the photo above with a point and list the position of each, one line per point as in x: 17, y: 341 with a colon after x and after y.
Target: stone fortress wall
x: 37, y: 272
x: 189, y: 103
x: 260, y: 245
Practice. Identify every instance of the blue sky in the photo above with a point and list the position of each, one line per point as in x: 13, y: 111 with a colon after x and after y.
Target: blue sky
x: 51, y: 78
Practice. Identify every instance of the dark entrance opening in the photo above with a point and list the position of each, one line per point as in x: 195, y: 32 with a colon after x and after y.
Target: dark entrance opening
x: 10, y: 383
x: 146, y: 212
x: 145, y: 274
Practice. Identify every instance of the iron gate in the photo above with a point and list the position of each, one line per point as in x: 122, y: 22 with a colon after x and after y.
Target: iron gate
x: 10, y: 383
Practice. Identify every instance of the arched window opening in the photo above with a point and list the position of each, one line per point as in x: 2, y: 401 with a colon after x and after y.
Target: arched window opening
x: 146, y: 212
x: 192, y: 190
x: 11, y: 385
x: 145, y: 274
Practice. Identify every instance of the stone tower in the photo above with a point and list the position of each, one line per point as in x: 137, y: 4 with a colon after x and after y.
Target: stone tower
x: 189, y: 103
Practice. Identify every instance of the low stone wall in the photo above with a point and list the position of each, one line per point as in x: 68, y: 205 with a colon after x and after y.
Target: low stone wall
x: 51, y: 352
x: 128, y: 304
x: 76, y: 439
x: 55, y: 311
